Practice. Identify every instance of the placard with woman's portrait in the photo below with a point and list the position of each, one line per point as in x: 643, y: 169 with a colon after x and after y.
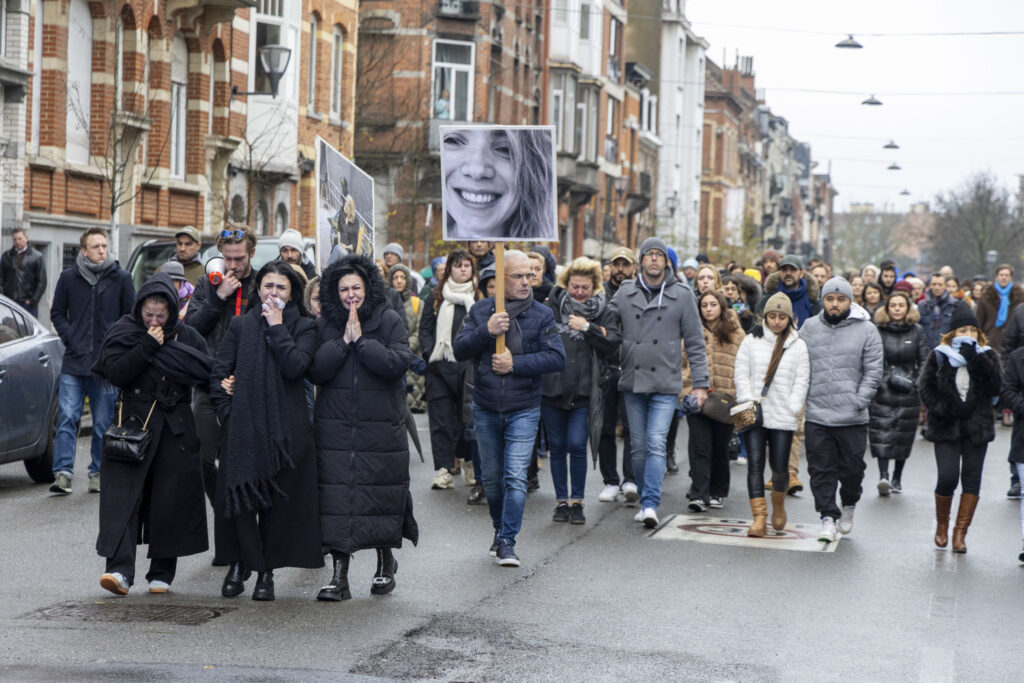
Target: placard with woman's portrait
x: 498, y: 183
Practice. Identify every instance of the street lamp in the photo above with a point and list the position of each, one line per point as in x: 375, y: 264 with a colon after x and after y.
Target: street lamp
x: 990, y: 260
x: 275, y: 59
x: 672, y: 203
x: 890, y: 145
x: 849, y: 43
x: 905, y: 193
x: 893, y: 167
x: 872, y: 101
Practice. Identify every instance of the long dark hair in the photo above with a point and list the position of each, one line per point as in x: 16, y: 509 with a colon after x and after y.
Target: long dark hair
x: 279, y: 268
x: 780, y: 348
x: 456, y: 255
x: 726, y: 325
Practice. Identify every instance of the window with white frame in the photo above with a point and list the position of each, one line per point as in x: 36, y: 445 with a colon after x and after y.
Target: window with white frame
x: 592, y: 132
x: 561, y: 8
x: 563, y: 111
x: 79, y: 91
x: 179, y: 106
x: 649, y: 112
x: 314, y: 30
x: 614, y: 50
x: 453, y: 80
x: 585, y: 21
x: 557, y: 103
x: 37, y: 71
x: 337, y: 55
x: 118, y: 64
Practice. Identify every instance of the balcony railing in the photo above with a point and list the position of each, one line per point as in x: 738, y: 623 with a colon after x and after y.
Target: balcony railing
x: 459, y: 9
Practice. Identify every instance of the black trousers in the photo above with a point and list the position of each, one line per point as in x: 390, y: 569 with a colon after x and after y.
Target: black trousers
x: 446, y: 431
x: 777, y: 443
x: 614, y: 412
x: 208, y: 430
x: 709, y: 457
x: 123, y: 560
x: 835, y: 460
x: 959, y: 463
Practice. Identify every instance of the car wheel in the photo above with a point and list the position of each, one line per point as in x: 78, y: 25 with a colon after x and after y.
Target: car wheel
x: 40, y: 468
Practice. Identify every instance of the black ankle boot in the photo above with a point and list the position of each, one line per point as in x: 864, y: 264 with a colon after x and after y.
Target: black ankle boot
x: 264, y: 589
x: 670, y: 464
x: 387, y: 567
x: 337, y: 590
x: 234, y: 581
x: 476, y: 496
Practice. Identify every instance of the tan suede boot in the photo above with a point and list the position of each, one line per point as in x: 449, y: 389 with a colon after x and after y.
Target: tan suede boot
x: 942, y: 505
x: 760, y: 510
x: 964, y: 515
x: 778, y: 510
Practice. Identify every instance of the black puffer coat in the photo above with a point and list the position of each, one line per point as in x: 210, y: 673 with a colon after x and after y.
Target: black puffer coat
x: 893, y: 415
x: 360, y: 419
x: 949, y: 418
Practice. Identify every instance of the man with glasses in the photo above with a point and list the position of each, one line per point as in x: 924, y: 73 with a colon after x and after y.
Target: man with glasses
x: 659, y: 316
x: 507, y: 393
x: 210, y: 312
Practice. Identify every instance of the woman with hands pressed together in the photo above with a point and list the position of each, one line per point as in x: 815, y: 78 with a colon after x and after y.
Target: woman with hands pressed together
x: 154, y: 359
x: 363, y: 450
x: 266, y: 502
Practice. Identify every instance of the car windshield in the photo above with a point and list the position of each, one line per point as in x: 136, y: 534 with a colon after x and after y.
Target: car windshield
x: 152, y: 256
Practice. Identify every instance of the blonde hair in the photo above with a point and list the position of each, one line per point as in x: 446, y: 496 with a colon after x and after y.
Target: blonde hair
x: 582, y: 267
x: 714, y: 271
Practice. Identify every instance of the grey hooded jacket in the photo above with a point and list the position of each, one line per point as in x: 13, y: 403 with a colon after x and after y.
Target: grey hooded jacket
x: 651, y: 353
x: 846, y: 368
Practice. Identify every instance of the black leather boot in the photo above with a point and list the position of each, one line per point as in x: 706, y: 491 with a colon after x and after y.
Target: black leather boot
x: 387, y: 567
x: 337, y: 590
x: 476, y: 495
x: 264, y: 589
x: 670, y: 464
x: 234, y: 580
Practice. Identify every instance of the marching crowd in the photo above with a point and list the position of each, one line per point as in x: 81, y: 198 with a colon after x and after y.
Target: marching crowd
x: 286, y: 398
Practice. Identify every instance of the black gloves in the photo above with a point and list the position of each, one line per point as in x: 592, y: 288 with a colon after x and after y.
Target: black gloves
x: 968, y: 351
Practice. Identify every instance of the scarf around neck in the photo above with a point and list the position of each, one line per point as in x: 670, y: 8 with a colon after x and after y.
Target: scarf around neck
x: 514, y: 336
x: 589, y: 309
x: 1004, y: 302
x: 798, y: 297
x: 952, y: 350
x: 454, y: 294
x: 92, y: 272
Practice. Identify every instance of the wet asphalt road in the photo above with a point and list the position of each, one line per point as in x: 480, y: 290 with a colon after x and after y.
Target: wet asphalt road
x: 595, y: 602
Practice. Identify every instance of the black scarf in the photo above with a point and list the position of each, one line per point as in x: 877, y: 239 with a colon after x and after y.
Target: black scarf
x: 260, y: 438
x: 514, y: 336
x: 589, y: 309
x: 175, y: 360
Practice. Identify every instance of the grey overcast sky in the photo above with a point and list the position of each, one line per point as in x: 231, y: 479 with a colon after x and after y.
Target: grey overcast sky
x: 945, y: 133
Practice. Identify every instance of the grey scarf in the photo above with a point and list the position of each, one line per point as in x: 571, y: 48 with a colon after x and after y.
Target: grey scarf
x: 590, y: 309
x: 514, y: 336
x: 92, y: 272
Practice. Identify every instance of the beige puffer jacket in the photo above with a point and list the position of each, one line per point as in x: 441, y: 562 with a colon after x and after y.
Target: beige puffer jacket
x: 721, y: 360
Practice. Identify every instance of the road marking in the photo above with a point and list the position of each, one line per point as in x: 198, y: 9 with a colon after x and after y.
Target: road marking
x: 944, y: 562
x: 941, y: 607
x: 936, y: 665
x: 729, y: 531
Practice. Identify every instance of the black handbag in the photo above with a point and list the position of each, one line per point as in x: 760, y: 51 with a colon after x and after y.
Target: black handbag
x: 902, y: 381
x: 125, y: 443
x: 717, y: 407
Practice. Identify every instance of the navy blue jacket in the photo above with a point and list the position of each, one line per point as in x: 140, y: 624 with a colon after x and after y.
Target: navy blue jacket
x: 81, y: 314
x: 542, y: 353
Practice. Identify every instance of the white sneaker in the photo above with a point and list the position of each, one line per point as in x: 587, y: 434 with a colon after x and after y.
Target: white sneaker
x: 715, y: 503
x: 158, y: 586
x: 884, y: 486
x: 442, y: 480
x: 828, y: 530
x: 650, y: 518
x: 631, y: 493
x: 741, y: 461
x: 639, y: 516
x: 115, y: 583
x: 846, y: 520
x: 609, y: 494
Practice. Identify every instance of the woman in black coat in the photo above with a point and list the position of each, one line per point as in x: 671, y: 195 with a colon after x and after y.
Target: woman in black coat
x: 445, y: 380
x: 266, y: 502
x: 154, y: 359
x: 896, y: 407
x: 361, y: 438
x: 958, y: 384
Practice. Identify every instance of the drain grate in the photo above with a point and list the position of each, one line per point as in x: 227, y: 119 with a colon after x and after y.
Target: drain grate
x: 121, y: 611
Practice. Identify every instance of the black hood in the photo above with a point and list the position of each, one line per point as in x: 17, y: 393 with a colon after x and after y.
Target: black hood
x: 364, y: 267
x: 162, y: 285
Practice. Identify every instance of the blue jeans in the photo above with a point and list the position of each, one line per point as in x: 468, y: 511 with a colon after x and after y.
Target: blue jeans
x: 73, y: 390
x: 567, y: 433
x: 506, y: 446
x: 650, y: 416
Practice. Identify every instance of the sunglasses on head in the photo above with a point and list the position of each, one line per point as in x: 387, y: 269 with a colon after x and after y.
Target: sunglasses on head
x: 232, y: 234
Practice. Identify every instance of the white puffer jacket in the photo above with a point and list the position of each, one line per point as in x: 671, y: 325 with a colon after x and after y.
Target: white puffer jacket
x: 785, y: 400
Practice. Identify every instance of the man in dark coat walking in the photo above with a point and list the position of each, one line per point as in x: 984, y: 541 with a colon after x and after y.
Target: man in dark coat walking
x: 23, y: 273
x: 507, y: 393
x: 936, y: 310
x: 89, y: 298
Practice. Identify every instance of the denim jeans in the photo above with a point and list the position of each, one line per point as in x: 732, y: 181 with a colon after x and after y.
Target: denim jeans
x: 73, y: 390
x: 650, y: 416
x: 506, y: 447
x: 567, y: 433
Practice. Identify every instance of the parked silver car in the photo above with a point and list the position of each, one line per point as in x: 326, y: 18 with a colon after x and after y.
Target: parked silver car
x: 30, y: 362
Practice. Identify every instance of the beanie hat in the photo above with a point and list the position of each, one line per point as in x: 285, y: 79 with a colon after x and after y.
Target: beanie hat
x: 754, y: 273
x: 673, y: 258
x: 691, y: 263
x: 437, y: 261
x: 654, y: 243
x: 837, y: 285
x: 779, y: 302
x: 291, y: 238
x: 903, y: 286
x: 395, y: 248
x: 770, y: 255
x: 962, y: 317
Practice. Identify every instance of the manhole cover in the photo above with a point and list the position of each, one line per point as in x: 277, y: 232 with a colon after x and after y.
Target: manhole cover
x: 185, y: 615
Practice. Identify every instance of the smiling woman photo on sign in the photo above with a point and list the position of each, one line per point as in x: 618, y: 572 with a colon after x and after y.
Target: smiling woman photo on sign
x: 498, y: 183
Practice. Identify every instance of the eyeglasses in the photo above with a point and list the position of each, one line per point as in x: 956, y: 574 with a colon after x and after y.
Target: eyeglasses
x: 232, y: 234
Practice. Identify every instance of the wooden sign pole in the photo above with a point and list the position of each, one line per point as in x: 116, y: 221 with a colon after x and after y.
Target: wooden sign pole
x: 499, y: 290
